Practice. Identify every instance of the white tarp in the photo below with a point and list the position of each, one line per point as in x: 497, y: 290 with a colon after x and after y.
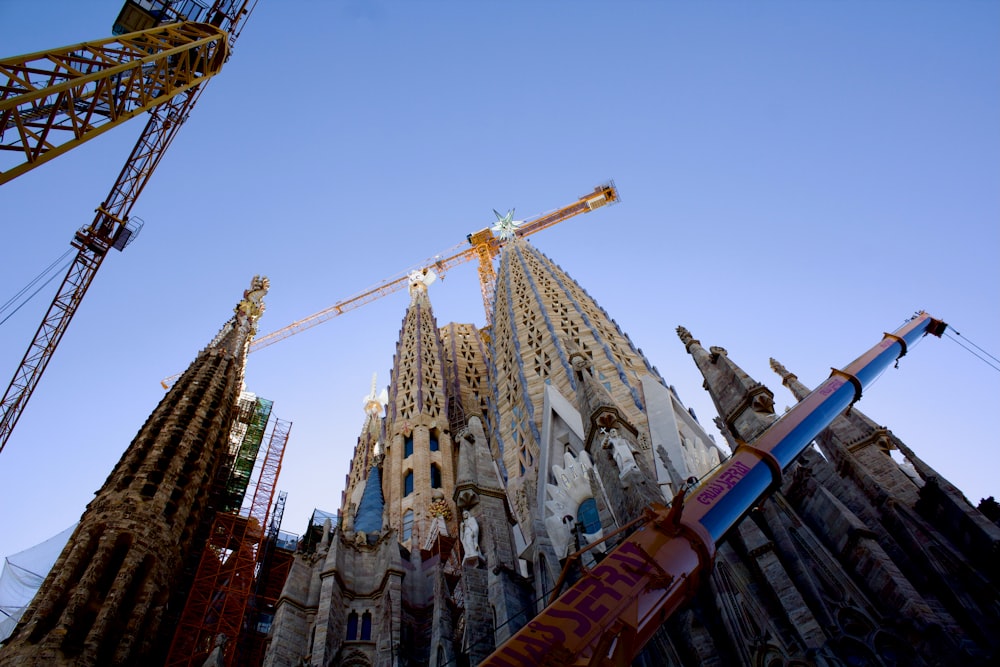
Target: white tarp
x: 22, y: 576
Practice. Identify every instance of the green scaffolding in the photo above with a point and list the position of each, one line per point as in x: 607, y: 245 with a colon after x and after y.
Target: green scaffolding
x: 239, y: 477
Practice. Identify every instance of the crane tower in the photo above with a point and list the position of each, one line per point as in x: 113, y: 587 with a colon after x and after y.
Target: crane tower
x: 52, y: 102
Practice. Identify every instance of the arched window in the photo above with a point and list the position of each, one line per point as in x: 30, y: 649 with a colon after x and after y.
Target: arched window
x: 352, y: 626
x: 435, y: 476
x: 407, y: 524
x: 408, y: 483
x: 588, y: 516
x: 366, y: 626
x: 408, y: 446
x: 434, y: 443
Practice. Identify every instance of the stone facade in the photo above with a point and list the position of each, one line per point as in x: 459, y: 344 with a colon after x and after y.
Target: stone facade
x: 550, y: 432
x: 110, y: 597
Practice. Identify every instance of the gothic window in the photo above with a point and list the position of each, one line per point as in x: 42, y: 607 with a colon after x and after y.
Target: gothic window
x: 407, y: 524
x: 587, y: 515
x: 408, y: 483
x: 434, y: 443
x: 435, y: 476
x: 408, y: 446
x: 366, y: 626
x: 352, y: 626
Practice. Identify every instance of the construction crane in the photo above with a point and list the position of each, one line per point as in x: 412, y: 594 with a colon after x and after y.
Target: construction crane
x: 53, y: 101
x: 111, y: 227
x: 483, y: 246
x: 610, y: 613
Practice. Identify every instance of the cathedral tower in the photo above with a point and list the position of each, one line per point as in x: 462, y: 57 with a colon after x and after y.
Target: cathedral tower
x: 504, y: 455
x: 104, y: 601
x: 857, y: 573
x: 542, y: 317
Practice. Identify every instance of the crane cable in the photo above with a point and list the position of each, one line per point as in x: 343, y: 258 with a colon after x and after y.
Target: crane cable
x: 994, y: 364
x: 48, y: 270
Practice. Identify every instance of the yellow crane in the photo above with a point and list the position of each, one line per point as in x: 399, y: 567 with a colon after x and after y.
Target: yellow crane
x: 483, y: 246
x: 184, y: 41
x: 53, y: 101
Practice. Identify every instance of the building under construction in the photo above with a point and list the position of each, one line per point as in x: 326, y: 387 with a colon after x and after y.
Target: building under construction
x: 503, y: 465
x: 177, y: 556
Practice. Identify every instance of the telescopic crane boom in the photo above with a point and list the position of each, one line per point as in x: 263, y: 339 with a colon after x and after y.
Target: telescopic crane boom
x: 110, y: 227
x: 610, y: 613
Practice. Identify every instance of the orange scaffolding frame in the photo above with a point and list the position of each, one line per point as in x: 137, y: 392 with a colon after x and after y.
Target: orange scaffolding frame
x: 215, y: 610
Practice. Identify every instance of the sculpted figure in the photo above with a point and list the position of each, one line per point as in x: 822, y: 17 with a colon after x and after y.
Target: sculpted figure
x: 470, y: 536
x: 622, y: 452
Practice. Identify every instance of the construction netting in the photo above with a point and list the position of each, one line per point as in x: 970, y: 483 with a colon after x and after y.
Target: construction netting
x: 22, y: 576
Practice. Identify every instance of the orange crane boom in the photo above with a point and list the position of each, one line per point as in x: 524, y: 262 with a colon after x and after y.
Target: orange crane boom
x: 111, y: 228
x: 484, y: 245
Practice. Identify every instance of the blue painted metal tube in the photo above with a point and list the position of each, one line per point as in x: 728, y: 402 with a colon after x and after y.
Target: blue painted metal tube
x: 755, y: 469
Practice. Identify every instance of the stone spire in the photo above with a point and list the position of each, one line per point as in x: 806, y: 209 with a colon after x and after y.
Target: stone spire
x: 540, y: 316
x: 367, y: 453
x: 746, y: 406
x: 105, y: 600
x: 418, y: 461
x: 862, y: 450
x: 369, y: 516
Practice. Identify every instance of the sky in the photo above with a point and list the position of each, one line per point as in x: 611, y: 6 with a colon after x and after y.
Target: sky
x: 796, y: 178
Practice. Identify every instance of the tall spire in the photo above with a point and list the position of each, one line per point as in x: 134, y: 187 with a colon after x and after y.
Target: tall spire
x: 104, y: 601
x: 745, y: 406
x: 541, y: 316
x: 418, y: 458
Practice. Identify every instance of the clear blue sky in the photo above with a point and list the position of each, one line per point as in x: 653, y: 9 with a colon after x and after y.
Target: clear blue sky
x: 797, y: 178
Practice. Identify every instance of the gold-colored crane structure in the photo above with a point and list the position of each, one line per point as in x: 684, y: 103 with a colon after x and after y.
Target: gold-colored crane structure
x: 54, y: 101
x: 483, y: 246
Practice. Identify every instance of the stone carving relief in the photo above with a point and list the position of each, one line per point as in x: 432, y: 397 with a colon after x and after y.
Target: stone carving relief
x: 563, y: 501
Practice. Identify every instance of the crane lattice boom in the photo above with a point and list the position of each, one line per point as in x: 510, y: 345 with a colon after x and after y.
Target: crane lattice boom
x: 110, y: 227
x: 483, y: 245
x: 53, y: 101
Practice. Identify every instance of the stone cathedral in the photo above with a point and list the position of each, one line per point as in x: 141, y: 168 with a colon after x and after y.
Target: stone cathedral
x: 494, y: 455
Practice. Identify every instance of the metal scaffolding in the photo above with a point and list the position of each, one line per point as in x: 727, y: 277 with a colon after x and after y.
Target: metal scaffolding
x: 216, y: 615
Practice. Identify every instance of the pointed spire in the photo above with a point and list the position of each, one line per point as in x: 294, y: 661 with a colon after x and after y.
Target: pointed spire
x: 419, y: 282
x: 368, y: 518
x: 128, y: 537
x: 746, y: 406
x: 790, y: 380
x: 375, y: 402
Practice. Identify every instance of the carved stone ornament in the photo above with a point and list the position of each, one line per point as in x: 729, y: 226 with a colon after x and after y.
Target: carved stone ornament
x: 440, y: 508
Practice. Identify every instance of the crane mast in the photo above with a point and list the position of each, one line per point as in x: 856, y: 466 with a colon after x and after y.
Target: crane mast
x: 110, y: 227
x: 609, y: 614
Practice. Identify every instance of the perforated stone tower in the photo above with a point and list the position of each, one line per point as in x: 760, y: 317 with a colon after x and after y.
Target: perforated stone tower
x: 105, y: 600
x: 502, y: 453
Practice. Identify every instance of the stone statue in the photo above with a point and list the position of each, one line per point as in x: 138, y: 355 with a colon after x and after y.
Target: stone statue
x: 217, y: 657
x: 470, y: 536
x: 622, y: 452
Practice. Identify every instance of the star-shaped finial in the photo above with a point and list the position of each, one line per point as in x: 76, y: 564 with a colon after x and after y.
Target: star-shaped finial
x: 505, y: 225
